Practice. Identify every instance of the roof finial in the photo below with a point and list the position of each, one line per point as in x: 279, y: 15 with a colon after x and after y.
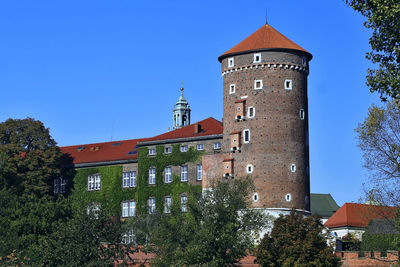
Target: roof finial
x: 266, y: 16
x: 182, y: 88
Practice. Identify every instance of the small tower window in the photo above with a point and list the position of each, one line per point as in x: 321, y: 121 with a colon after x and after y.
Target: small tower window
x: 288, y: 84
x: 302, y: 114
x: 258, y: 84
x: 232, y: 89
x: 255, y: 197
x: 304, y: 61
x: 293, y: 168
x: 288, y: 197
x: 251, y: 112
x: 231, y: 62
x: 249, y: 168
x: 246, y: 136
x: 257, y: 58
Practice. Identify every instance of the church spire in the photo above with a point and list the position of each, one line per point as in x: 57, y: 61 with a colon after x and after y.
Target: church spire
x: 181, y: 112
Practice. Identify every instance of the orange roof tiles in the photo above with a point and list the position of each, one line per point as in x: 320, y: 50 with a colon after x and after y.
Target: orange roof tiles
x: 359, y: 215
x: 264, y: 38
x: 127, y: 149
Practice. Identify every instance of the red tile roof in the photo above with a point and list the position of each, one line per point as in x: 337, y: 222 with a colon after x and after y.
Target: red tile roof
x: 359, y: 215
x: 264, y: 38
x: 127, y: 149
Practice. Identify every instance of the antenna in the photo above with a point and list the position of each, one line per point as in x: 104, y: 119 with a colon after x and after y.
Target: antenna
x: 266, y: 16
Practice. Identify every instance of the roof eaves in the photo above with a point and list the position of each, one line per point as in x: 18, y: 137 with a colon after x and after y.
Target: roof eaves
x: 180, y: 140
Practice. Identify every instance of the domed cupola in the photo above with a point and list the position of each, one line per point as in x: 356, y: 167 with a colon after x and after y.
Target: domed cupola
x: 181, y: 112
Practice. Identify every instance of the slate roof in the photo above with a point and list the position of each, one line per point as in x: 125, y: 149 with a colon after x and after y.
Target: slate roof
x: 323, y: 204
x: 359, y: 215
x: 127, y: 149
x: 265, y: 38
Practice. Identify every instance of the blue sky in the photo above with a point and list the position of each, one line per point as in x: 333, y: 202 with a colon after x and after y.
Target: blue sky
x: 94, y: 69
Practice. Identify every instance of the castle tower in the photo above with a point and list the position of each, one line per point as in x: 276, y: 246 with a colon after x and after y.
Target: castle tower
x: 181, y: 112
x: 266, y: 119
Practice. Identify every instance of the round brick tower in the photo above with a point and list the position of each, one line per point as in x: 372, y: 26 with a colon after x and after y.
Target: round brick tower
x: 266, y: 119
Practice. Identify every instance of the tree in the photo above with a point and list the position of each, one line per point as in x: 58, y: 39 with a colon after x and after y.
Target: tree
x: 383, y: 18
x: 296, y: 241
x: 379, y: 140
x: 217, y: 230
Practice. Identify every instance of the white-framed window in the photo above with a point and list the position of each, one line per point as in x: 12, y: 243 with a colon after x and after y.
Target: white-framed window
x: 184, y: 148
x: 217, y: 145
x: 129, y: 179
x: 93, y: 208
x: 167, y: 150
x: 152, y: 175
x: 232, y: 88
x: 199, y: 172
x: 152, y: 151
x: 151, y: 203
x: 302, y: 114
x: 258, y: 84
x: 288, y: 84
x: 128, y: 238
x: 200, y: 146
x: 168, y: 175
x: 184, y: 200
x: 128, y: 208
x: 255, y: 197
x: 231, y: 62
x: 257, y: 58
x: 246, y: 136
x: 59, y: 186
x: 94, y: 182
x: 249, y: 168
x: 184, y: 173
x: 293, y: 168
x: 288, y: 197
x: 167, y: 204
x: 251, y: 112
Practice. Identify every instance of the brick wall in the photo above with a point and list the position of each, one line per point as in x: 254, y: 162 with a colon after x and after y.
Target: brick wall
x: 353, y: 259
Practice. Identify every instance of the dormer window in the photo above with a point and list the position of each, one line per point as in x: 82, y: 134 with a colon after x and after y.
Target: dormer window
x: 232, y: 89
x: 288, y: 84
x: 231, y: 62
x: 257, y: 58
x: 258, y: 84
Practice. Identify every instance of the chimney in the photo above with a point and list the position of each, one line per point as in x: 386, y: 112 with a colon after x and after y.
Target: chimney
x: 197, y: 128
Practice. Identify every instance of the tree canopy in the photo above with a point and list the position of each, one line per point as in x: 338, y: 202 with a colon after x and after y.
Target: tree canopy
x: 383, y: 18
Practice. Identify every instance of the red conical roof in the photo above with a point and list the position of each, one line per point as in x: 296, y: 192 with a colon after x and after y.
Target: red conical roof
x: 265, y: 38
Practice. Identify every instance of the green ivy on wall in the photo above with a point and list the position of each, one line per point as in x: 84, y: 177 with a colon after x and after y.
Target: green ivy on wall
x: 160, y: 189
x: 112, y: 194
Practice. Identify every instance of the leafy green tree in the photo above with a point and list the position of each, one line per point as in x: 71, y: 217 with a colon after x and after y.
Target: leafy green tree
x: 217, y: 230
x: 383, y: 18
x: 298, y: 241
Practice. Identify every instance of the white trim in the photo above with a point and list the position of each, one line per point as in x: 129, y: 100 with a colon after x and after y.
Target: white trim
x: 302, y: 114
x: 168, y: 175
x: 255, y: 197
x: 248, y: 112
x: 251, y: 168
x: 232, y: 88
x: 288, y: 197
x: 255, y: 84
x: 255, y: 58
x: 167, y: 149
x: 184, y: 148
x: 288, y: 84
x: 199, y: 169
x: 244, y: 136
x: 152, y: 151
x: 243, y: 97
x: 200, y: 147
x: 293, y: 167
x: 184, y: 173
x: 167, y: 204
x: 231, y: 62
x: 152, y: 176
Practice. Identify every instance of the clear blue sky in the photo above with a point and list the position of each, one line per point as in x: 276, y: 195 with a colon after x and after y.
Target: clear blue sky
x: 82, y: 66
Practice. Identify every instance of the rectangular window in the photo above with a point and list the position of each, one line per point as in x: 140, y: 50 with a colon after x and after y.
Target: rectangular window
x: 246, y: 136
x: 128, y: 208
x: 231, y: 62
x: 167, y: 150
x: 251, y: 112
x: 232, y: 89
x: 152, y: 175
x: 302, y: 114
x: 258, y: 84
x: 184, y: 173
x: 129, y: 179
x: 257, y: 58
x: 94, y: 182
x: 184, y: 148
x: 200, y: 147
x: 184, y: 200
x: 217, y: 145
x: 152, y: 205
x: 93, y: 208
x: 288, y: 84
x: 167, y: 204
x: 128, y: 238
x: 59, y: 186
x: 167, y: 175
x: 199, y: 172
x: 152, y: 151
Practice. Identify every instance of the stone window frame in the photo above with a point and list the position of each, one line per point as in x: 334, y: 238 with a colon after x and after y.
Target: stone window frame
x: 200, y: 147
x: 232, y: 88
x: 248, y: 112
x: 152, y: 151
x: 129, y: 179
x: 293, y: 168
x: 94, y: 182
x: 231, y: 62
x: 170, y: 175
x: 167, y: 149
x: 258, y: 87
x: 251, y: 168
x: 199, y: 171
x: 288, y: 84
x: 255, y: 58
x: 184, y: 173
x: 184, y: 148
x: 217, y: 146
x: 130, y: 207
x: 152, y: 176
x: 244, y: 136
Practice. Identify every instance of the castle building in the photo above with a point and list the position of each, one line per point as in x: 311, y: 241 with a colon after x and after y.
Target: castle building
x: 264, y: 135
